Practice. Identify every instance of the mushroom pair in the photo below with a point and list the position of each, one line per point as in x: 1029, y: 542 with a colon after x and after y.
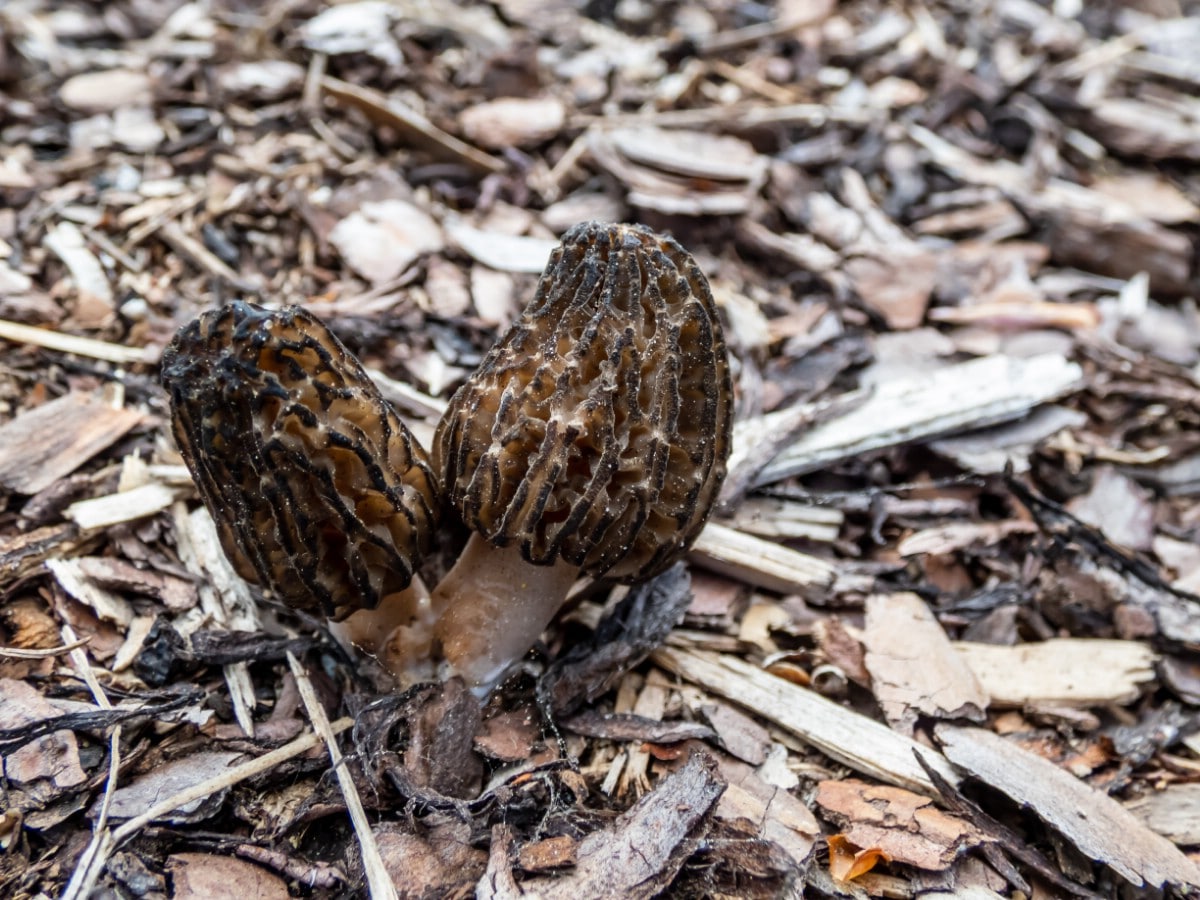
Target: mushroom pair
x: 591, y: 440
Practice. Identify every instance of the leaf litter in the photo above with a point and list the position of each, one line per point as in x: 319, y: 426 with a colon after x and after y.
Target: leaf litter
x: 941, y: 637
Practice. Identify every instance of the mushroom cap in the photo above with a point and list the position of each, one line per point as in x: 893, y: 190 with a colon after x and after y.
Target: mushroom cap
x: 318, y: 489
x: 598, y: 428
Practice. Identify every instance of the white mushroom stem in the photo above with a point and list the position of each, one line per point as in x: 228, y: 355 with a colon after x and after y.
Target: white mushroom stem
x: 398, y: 632
x: 491, y: 608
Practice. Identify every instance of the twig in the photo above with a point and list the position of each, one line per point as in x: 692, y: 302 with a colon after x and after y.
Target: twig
x: 379, y: 882
x: 108, y: 841
x: 20, y: 653
x: 69, y: 343
x: 388, y: 111
x: 84, y: 876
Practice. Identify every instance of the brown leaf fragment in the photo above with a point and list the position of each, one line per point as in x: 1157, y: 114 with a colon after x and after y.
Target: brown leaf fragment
x: 439, y: 863
x: 914, y: 669
x: 1094, y: 823
x: 50, y: 441
x: 439, y: 754
x: 842, y: 649
x: 907, y: 827
x: 640, y: 853
x: 52, y: 758
x: 200, y: 876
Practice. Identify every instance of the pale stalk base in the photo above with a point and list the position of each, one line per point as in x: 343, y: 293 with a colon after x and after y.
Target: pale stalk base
x: 398, y: 632
x: 491, y: 608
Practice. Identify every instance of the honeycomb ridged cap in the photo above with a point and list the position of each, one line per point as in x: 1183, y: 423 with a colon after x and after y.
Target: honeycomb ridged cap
x: 597, y: 429
x: 319, y: 491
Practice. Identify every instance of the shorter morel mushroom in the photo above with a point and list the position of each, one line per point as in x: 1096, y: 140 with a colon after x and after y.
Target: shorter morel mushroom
x: 591, y: 440
x: 318, y: 490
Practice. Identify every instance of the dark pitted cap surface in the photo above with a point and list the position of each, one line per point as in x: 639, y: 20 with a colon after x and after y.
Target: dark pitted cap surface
x: 598, y: 428
x: 318, y: 490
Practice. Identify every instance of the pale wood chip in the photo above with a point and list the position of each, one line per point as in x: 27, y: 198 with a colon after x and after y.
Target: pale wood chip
x: 1076, y: 672
x: 1099, y: 827
x: 914, y: 669
x: 46, y: 443
x: 850, y: 738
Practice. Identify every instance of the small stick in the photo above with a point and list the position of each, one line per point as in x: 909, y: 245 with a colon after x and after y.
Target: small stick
x: 379, y: 882
x: 70, y: 343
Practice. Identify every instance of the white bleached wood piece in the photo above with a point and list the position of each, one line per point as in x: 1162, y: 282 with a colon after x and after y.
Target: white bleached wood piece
x: 727, y: 551
x: 123, y: 506
x: 955, y: 398
x: 852, y: 739
x: 1075, y: 672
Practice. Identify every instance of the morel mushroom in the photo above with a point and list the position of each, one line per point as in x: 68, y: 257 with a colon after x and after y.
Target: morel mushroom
x: 591, y: 440
x: 318, y: 490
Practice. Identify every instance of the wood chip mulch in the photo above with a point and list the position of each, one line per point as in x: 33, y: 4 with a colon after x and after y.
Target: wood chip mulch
x: 942, y: 637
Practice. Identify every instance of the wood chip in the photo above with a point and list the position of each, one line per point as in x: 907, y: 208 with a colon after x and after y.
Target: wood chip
x: 914, y: 669
x: 1173, y: 812
x: 640, y: 852
x: 968, y: 395
x: 1077, y: 672
x: 1099, y: 827
x: 758, y: 562
x: 849, y: 737
x: 503, y: 252
x: 907, y: 827
x: 46, y: 443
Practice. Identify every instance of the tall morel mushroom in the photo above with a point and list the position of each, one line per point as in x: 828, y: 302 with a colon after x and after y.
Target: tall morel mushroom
x: 591, y: 440
x: 318, y: 490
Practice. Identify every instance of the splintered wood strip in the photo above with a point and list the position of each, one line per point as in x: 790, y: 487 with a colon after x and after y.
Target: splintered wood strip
x: 83, y: 869
x: 123, y: 506
x: 955, y: 398
x: 236, y: 775
x: 386, y: 111
x: 46, y: 443
x: 1098, y: 826
x: 770, y: 517
x: 852, y: 739
x: 758, y: 562
x: 1062, y: 671
x: 223, y: 595
x: 80, y: 346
